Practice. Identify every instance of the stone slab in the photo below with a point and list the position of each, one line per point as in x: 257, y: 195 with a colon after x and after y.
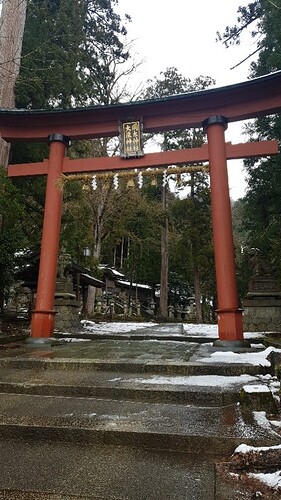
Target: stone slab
x: 165, y: 426
x: 166, y: 357
x: 102, y: 472
x: 64, y: 442
x: 199, y: 390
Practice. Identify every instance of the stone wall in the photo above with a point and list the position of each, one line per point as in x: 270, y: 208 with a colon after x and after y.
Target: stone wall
x: 262, y: 306
x: 262, y: 315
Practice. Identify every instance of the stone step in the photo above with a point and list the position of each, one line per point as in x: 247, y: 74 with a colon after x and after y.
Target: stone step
x: 110, y: 419
x: 211, y: 390
x: 168, y: 367
x: 207, y: 430
x: 135, y: 336
x: 148, y: 334
x: 66, y: 471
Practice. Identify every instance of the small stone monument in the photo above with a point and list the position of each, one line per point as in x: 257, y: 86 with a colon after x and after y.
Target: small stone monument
x: 262, y: 306
x: 66, y: 305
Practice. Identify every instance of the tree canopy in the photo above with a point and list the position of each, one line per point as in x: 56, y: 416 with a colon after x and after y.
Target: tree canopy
x: 12, y: 237
x: 70, y: 53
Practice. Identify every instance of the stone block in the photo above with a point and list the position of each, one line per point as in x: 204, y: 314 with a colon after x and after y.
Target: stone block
x: 258, y: 398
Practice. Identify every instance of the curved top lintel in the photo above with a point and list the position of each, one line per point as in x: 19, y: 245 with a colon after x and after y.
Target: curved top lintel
x: 258, y: 97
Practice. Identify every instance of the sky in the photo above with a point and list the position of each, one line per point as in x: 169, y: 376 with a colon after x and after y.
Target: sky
x: 182, y: 33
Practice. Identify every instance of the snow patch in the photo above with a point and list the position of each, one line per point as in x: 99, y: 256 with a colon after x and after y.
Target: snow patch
x: 262, y: 420
x: 208, y: 330
x: 121, y: 327
x: 245, y: 448
x: 250, y: 358
x: 256, y: 388
x: 68, y: 339
x: 276, y: 423
x: 273, y: 480
x: 200, y: 380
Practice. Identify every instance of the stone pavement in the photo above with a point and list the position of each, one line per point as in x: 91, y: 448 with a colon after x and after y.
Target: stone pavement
x: 136, y: 415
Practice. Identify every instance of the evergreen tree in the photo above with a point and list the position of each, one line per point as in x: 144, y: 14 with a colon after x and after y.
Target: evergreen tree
x: 12, y: 238
x: 250, y: 17
x: 241, y: 242
x: 70, y: 53
x: 261, y: 207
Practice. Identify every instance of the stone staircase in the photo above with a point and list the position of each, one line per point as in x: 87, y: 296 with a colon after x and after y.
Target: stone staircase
x: 127, y: 419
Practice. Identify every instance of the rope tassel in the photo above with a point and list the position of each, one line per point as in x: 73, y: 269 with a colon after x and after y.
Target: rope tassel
x: 132, y: 176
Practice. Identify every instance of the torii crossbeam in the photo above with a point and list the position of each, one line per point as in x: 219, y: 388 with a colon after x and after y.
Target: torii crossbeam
x: 212, y: 109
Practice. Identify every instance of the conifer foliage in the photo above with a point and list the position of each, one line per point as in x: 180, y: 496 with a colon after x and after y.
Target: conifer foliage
x: 261, y: 218
x: 70, y: 52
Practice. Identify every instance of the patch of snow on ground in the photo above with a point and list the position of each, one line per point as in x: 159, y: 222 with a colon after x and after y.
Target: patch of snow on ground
x: 267, y: 376
x: 272, y: 382
x: 256, y: 388
x: 200, y: 380
x: 200, y: 330
x: 257, y: 335
x: 208, y: 330
x: 68, y: 339
x: 245, y: 448
x: 261, y: 419
x: 188, y: 329
x: 273, y: 480
x: 250, y: 358
x: 109, y: 327
x: 275, y: 384
x: 276, y: 423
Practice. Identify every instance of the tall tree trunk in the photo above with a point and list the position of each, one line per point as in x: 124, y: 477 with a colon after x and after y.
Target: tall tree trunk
x: 98, y: 233
x: 196, y: 275
x: 11, y: 35
x: 164, y: 259
x: 122, y: 253
x: 197, y: 293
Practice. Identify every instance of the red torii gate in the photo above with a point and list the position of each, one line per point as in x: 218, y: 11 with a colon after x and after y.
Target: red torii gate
x: 212, y: 109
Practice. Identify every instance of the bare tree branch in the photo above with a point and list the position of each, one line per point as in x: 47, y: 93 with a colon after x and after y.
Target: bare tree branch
x: 246, y: 58
x: 274, y: 5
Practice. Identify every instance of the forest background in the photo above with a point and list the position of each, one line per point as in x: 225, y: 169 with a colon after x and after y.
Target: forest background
x: 69, y: 53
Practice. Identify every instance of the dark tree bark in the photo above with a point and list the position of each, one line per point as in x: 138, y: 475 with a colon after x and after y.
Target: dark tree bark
x: 11, y: 34
x: 163, y: 306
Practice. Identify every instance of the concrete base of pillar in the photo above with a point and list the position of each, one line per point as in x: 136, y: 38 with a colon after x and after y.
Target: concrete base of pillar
x: 230, y: 345
x: 38, y: 342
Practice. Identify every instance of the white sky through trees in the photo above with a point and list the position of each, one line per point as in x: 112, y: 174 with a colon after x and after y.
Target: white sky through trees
x: 182, y: 33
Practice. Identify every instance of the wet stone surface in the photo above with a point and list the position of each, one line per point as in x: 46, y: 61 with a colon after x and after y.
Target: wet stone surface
x: 60, y: 439
x: 112, y: 350
x: 126, y: 416
x: 110, y: 472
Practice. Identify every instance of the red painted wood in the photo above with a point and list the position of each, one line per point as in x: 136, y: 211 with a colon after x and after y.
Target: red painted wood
x: 229, y: 316
x: 42, y: 324
x: 165, y: 158
x: 258, y: 97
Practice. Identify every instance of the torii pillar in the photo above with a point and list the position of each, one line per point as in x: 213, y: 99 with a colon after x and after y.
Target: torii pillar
x: 43, y: 316
x: 230, y: 324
